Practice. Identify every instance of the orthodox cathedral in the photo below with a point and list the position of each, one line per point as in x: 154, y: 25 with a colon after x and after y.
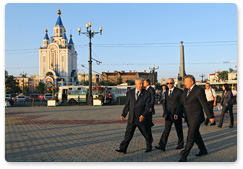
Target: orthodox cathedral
x: 58, y: 58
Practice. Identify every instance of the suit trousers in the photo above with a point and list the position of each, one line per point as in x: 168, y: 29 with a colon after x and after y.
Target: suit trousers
x: 193, y: 136
x: 150, y: 124
x: 144, y: 129
x: 225, y: 110
x: 178, y: 126
x: 210, y: 103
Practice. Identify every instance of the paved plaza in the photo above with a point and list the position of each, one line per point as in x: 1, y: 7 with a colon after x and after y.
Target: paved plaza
x: 91, y: 134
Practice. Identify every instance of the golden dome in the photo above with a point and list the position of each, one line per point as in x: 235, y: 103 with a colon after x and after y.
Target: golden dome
x: 59, y: 12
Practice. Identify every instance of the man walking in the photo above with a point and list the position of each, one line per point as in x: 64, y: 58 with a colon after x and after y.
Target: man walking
x: 194, y: 101
x: 211, y: 99
x: 137, y: 104
x: 149, y: 88
x: 173, y: 114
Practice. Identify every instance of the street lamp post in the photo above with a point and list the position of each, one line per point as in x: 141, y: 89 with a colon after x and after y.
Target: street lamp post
x: 153, y: 69
x: 90, y: 34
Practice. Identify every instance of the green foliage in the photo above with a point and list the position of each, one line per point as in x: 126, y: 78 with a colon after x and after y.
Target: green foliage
x: 119, y: 80
x: 223, y: 75
x: 11, y: 85
x: 231, y: 70
x: 40, y: 88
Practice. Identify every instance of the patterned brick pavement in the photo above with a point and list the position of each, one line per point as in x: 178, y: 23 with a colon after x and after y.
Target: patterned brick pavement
x: 85, y: 133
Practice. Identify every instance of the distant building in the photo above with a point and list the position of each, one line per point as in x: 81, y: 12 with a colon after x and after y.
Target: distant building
x: 34, y: 81
x: 232, y: 76
x: 82, y: 77
x: 162, y: 81
x: 23, y: 81
x: 58, y: 58
x: 213, y: 77
x: 128, y: 76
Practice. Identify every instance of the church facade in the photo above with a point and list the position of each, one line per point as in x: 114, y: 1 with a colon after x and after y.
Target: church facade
x: 58, y: 58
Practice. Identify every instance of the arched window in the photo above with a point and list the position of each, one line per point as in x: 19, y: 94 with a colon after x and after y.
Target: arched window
x: 53, y: 58
x: 44, y: 58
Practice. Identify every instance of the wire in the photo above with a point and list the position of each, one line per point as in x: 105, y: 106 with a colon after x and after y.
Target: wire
x: 138, y: 45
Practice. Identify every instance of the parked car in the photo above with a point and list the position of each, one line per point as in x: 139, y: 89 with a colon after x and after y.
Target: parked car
x: 34, y: 96
x: 27, y: 97
x: 47, y: 96
x: 21, y: 98
x: 14, y: 96
x: 8, y: 97
x: 42, y: 96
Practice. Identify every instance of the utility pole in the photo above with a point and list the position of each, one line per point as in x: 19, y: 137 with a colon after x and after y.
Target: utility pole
x: 202, y: 75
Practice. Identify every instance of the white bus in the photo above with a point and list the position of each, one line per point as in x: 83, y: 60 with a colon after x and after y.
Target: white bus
x: 75, y: 94
x: 72, y: 94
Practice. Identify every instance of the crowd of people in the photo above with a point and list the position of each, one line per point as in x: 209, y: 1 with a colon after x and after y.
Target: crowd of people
x: 192, y: 104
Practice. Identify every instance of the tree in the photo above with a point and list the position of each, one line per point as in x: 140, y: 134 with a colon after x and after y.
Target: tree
x: 130, y: 82
x: 26, y: 89
x: 11, y: 85
x: 86, y: 82
x: 223, y: 75
x: 119, y: 80
x: 40, y: 88
x: 6, y: 74
x: 231, y: 70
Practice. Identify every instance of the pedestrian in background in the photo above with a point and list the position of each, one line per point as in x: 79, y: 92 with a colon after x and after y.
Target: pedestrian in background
x: 162, y: 97
x: 234, y: 95
x: 227, y: 103
x: 211, y: 99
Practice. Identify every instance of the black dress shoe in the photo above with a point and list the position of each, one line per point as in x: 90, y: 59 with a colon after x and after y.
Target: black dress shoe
x: 148, y: 149
x: 212, y: 124
x: 160, y: 148
x: 230, y: 126
x: 201, y: 154
x: 183, y: 160
x: 121, y: 151
x: 179, y: 147
x: 219, y: 126
x: 206, y: 124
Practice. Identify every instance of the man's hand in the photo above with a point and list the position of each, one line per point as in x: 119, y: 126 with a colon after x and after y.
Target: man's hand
x: 212, y: 120
x: 214, y: 104
x: 158, y: 102
x: 141, y: 118
x: 175, y: 117
x: 150, y: 109
x: 122, y: 118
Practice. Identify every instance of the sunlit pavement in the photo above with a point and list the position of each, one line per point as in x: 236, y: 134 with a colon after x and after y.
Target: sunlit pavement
x: 83, y: 133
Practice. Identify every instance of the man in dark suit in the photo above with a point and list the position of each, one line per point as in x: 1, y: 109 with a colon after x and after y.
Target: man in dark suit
x: 173, y: 114
x: 162, y: 98
x: 137, y: 104
x: 194, y: 102
x: 149, y: 88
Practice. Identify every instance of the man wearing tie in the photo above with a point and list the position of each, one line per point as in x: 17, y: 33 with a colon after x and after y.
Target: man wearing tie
x: 173, y: 114
x: 194, y: 102
x: 137, y: 104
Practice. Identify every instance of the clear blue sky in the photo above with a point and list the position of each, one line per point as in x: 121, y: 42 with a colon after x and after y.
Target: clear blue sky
x: 135, y: 36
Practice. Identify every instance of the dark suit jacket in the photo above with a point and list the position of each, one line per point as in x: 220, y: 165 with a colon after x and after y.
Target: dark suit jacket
x: 173, y: 104
x: 137, y: 107
x: 227, y: 99
x: 194, y: 104
x: 152, y: 92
